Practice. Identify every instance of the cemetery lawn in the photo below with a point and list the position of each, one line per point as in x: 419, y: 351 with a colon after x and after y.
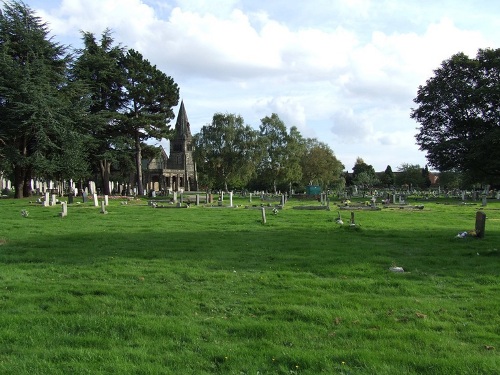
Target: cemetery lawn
x: 214, y: 291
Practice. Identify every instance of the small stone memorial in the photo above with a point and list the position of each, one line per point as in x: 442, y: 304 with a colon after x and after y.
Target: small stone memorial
x: 64, y: 209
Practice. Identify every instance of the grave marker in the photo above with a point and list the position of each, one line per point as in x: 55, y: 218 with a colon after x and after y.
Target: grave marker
x: 64, y: 209
x: 46, y: 201
x: 103, y: 207
x: 96, y: 202
x: 53, y: 199
x: 263, y: 215
x: 85, y: 198
x: 230, y: 199
x: 106, y: 200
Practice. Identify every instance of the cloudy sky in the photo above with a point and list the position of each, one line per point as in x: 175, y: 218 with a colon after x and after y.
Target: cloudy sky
x: 342, y: 71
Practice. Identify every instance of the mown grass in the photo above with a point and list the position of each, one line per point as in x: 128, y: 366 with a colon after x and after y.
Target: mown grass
x: 213, y: 290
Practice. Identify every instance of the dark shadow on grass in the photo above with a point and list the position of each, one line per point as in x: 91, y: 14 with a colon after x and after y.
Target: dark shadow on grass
x: 320, y: 252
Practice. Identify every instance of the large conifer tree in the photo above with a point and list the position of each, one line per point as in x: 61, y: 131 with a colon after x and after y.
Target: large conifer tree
x: 38, y: 107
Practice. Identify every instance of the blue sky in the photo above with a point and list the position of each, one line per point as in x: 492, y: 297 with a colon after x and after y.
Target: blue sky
x: 342, y: 71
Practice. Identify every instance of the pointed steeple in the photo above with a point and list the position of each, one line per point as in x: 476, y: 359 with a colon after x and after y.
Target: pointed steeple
x: 182, y: 128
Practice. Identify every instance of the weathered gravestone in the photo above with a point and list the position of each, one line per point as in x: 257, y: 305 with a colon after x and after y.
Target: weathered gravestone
x: 480, y: 224
x: 103, y: 208
x: 85, y: 197
x: 70, y: 198
x: 96, y: 201
x: 46, y: 201
x: 263, y: 215
x: 64, y: 209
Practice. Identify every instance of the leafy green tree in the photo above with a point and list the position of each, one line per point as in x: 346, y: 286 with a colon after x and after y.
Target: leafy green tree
x: 319, y: 164
x: 150, y: 98
x: 387, y: 177
x: 364, y: 174
x: 450, y: 180
x: 226, y: 152
x: 39, y: 107
x: 281, y: 161
x: 410, y: 175
x: 459, y: 118
x: 99, y: 67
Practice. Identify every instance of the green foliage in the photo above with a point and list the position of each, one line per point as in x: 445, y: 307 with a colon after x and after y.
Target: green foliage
x: 150, y: 97
x: 110, y: 294
x: 410, y: 175
x: 363, y: 174
x: 319, y: 165
x: 283, y: 152
x: 387, y: 179
x: 38, y: 105
x: 98, y: 67
x: 459, y: 125
x: 226, y: 152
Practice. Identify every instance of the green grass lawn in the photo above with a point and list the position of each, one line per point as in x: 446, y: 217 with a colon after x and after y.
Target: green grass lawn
x: 214, y: 291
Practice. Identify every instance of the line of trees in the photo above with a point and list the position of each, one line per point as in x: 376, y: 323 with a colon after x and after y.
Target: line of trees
x: 230, y: 154
x: 73, y: 114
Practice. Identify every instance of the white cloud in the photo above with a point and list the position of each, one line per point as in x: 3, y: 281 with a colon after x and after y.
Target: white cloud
x: 343, y: 69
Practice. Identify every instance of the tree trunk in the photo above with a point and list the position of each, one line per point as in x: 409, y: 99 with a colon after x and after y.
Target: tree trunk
x: 18, y: 181
x: 138, y: 164
x: 27, y: 183
x: 105, y: 166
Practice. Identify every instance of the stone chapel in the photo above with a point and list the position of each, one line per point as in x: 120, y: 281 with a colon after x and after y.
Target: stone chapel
x: 176, y: 172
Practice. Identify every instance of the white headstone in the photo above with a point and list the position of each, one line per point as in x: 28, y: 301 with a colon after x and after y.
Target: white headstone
x: 103, y: 207
x: 53, y: 200
x: 96, y: 202
x: 46, y: 201
x: 230, y: 199
x: 64, y: 209
x: 106, y: 200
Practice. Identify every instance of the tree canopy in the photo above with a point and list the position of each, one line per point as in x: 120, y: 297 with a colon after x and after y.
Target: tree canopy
x: 39, y: 107
x: 459, y: 116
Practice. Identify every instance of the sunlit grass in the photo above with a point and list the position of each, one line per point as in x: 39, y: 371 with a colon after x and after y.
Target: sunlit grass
x: 212, y: 290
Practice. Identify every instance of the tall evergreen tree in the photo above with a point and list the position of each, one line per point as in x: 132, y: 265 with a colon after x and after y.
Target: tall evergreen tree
x: 37, y: 105
x: 150, y: 97
x: 99, y: 67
